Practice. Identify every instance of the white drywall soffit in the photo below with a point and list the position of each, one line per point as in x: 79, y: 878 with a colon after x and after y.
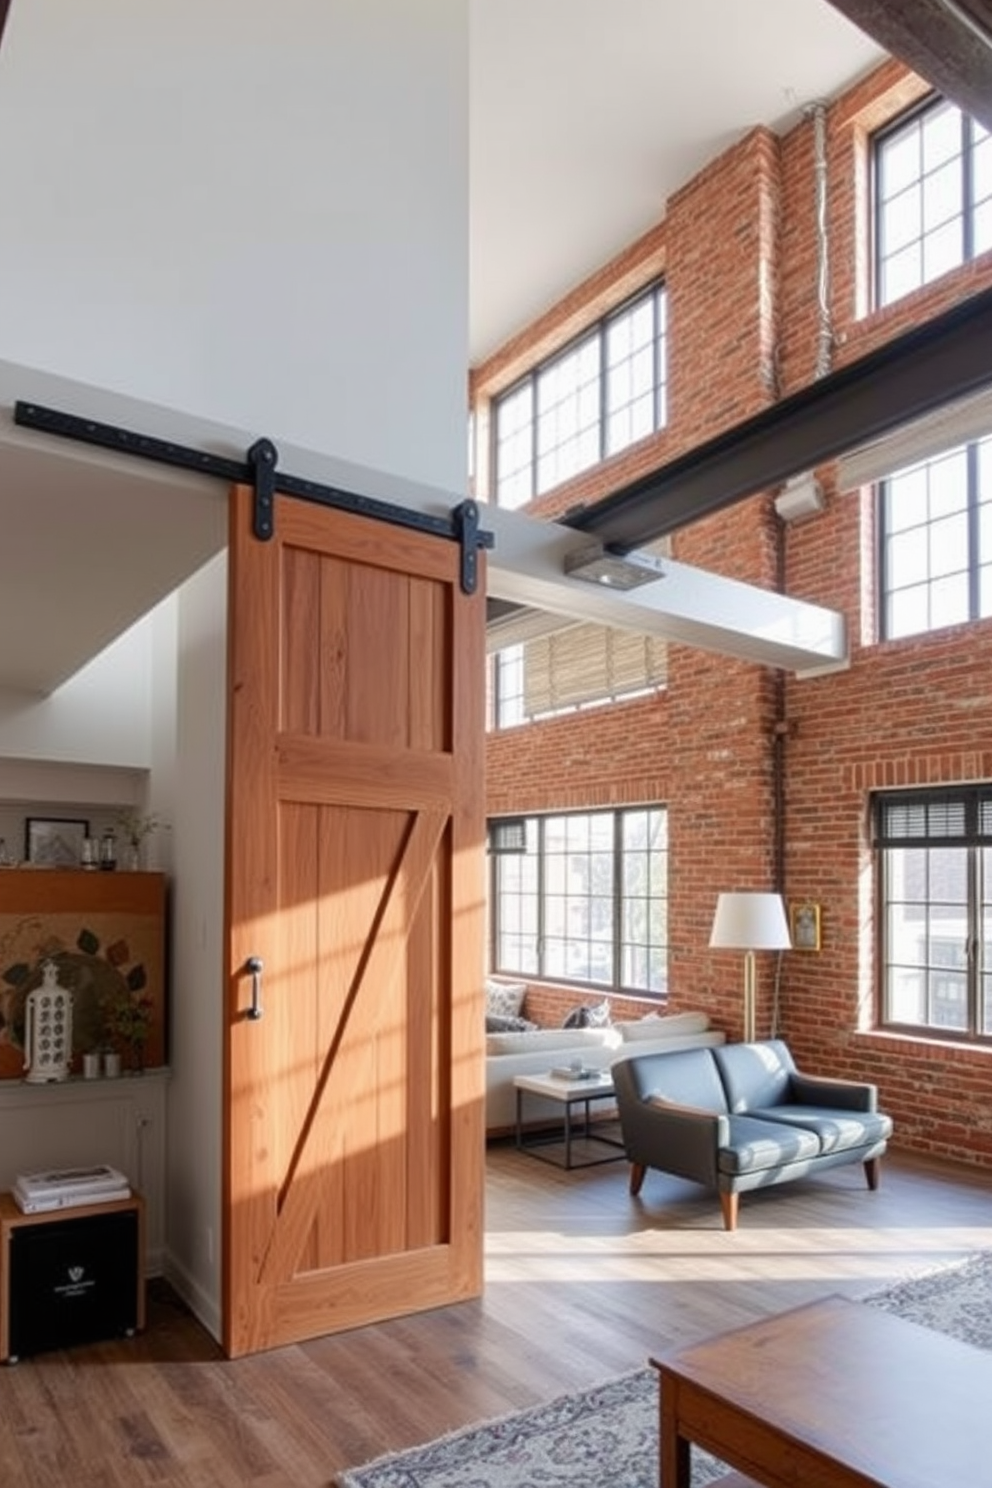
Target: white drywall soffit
x: 687, y: 605
x: 93, y: 540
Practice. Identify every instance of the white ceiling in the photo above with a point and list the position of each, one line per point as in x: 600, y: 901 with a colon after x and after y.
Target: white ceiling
x: 587, y: 114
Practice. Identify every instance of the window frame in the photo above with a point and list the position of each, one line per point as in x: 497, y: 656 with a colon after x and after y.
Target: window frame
x: 975, y: 840
x: 597, y: 331
x: 931, y: 103
x: 621, y: 897
x: 972, y: 513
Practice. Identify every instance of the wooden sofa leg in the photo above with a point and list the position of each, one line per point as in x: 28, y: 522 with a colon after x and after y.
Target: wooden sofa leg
x: 872, y: 1172
x: 637, y: 1172
x: 729, y: 1205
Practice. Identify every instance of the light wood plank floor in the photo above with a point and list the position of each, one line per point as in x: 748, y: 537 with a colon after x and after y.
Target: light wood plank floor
x: 583, y: 1283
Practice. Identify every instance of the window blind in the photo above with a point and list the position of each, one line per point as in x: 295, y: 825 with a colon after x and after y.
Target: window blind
x: 934, y: 819
x: 590, y: 663
x: 954, y: 424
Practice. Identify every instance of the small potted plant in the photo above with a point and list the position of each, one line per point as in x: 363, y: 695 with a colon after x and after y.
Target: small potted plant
x: 129, y: 1021
x: 134, y: 826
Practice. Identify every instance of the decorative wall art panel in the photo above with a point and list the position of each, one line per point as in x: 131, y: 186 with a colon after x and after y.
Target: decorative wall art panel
x: 105, y: 935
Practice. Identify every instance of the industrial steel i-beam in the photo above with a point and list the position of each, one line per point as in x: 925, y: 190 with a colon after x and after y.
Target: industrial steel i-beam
x: 924, y: 369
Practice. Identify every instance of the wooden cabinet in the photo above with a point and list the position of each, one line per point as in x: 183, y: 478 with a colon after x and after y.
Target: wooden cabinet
x: 71, y: 1275
x: 105, y: 932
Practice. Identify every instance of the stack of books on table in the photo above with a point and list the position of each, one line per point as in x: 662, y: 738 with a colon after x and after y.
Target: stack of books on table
x: 68, y: 1188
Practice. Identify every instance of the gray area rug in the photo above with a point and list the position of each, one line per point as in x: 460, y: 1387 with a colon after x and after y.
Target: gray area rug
x: 609, y: 1434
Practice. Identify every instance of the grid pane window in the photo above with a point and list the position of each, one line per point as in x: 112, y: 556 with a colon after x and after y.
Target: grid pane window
x: 515, y: 447
x: 935, y: 526
x: 937, y: 916
x: 635, y: 372
x: 596, y: 886
x: 516, y: 932
x: 567, y: 433
x: 601, y: 393
x: 933, y: 198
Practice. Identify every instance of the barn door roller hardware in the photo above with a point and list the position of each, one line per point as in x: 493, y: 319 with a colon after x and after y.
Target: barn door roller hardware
x: 260, y: 471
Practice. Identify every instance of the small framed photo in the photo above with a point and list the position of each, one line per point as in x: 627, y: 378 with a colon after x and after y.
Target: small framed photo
x: 54, y: 841
x: 804, y: 924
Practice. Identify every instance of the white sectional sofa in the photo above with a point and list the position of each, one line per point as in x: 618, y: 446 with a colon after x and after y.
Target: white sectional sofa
x: 537, y: 1051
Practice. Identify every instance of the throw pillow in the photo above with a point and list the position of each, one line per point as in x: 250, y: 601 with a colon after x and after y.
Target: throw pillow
x: 590, y: 1015
x: 504, y: 999
x: 508, y: 1025
x: 577, y: 1018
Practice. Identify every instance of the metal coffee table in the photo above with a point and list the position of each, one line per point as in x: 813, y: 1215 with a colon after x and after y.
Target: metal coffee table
x: 569, y: 1093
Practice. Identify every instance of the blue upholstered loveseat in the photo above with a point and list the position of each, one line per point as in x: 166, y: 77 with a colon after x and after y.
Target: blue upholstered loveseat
x: 741, y: 1117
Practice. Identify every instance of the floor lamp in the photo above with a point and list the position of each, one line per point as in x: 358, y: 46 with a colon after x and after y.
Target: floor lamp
x: 750, y: 922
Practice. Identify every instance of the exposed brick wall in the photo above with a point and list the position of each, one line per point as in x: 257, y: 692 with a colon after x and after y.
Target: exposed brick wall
x: 722, y: 277
x: 729, y: 743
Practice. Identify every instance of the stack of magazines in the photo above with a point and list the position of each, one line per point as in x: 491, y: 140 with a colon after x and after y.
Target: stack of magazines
x: 68, y: 1188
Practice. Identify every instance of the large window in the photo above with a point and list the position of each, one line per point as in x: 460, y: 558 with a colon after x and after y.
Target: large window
x: 603, y: 392
x: 935, y: 529
x: 933, y: 197
x: 935, y: 852
x: 587, y: 901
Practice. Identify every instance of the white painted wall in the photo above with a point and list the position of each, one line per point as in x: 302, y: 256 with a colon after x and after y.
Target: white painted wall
x: 193, y: 1173
x: 101, y: 716
x: 254, y: 213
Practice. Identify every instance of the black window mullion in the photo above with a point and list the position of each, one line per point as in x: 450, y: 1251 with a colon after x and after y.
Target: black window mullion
x: 617, y: 898
x: 541, y: 918
x: 603, y: 378
x: 967, y: 187
x: 882, y: 567
x: 974, y: 536
x: 532, y: 379
x: 656, y: 355
x: 971, y: 957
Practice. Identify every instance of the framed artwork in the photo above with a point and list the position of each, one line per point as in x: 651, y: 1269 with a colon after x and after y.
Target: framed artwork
x: 54, y: 841
x: 804, y: 924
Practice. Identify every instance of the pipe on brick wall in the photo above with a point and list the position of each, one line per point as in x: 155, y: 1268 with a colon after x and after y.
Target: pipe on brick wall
x: 825, y: 335
x: 779, y: 742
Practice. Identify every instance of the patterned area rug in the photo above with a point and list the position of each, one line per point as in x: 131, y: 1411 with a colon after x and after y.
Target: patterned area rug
x: 609, y: 1434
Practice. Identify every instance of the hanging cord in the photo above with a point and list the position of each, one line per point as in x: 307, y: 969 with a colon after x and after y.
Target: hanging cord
x: 825, y: 336
x: 777, y: 993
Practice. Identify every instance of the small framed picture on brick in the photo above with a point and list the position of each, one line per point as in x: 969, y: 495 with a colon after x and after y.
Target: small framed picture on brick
x: 804, y: 924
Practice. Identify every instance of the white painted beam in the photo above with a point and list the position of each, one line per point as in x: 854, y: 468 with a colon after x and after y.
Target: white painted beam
x: 82, y: 496
x: 687, y: 605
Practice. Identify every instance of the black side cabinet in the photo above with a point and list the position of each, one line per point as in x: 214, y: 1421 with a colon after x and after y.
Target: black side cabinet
x: 71, y: 1276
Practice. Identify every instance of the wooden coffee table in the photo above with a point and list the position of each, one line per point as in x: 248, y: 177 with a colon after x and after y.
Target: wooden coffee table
x: 832, y: 1395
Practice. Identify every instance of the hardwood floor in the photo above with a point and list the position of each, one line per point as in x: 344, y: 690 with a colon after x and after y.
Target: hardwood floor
x: 583, y: 1282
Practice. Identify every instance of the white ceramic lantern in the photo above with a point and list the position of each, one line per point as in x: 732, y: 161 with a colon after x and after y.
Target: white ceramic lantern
x: 47, y: 1029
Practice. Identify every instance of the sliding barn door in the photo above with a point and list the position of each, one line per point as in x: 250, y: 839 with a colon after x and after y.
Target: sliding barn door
x: 354, y: 1138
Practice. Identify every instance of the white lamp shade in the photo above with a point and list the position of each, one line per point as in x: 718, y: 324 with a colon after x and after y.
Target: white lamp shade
x: 750, y: 922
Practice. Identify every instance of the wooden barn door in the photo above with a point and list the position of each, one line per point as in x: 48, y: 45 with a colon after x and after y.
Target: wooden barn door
x: 354, y: 1140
